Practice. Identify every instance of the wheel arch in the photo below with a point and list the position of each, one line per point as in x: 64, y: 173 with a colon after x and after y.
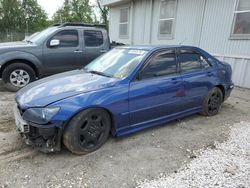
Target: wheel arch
x: 222, y: 88
x: 111, y: 115
x: 24, y: 61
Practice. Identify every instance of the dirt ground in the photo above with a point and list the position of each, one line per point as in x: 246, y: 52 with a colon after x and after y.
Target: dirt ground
x: 121, y: 162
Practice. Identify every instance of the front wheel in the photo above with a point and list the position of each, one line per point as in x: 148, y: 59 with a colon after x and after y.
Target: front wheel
x: 87, y: 131
x: 212, y: 102
x: 17, y: 75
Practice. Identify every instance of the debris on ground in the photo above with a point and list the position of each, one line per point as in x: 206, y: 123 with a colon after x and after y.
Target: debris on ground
x: 226, y: 166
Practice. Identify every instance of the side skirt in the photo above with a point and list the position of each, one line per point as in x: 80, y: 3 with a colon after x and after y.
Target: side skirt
x: 159, y: 121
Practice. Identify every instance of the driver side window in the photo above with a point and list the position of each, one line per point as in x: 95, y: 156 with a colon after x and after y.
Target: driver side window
x: 67, y: 38
x: 162, y: 64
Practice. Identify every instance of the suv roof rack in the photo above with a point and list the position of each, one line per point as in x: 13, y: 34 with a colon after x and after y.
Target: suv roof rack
x: 79, y: 24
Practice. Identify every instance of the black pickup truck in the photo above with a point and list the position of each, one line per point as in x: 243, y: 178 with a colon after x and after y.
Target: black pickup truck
x: 59, y: 48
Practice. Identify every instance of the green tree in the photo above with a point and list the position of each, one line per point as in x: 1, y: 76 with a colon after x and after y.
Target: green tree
x: 104, y: 10
x: 74, y: 11
x: 35, y: 16
x: 62, y: 14
x: 11, y: 18
x: 81, y: 11
x: 20, y: 16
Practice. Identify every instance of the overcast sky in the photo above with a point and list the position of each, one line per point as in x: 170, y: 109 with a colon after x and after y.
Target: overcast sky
x: 51, y: 6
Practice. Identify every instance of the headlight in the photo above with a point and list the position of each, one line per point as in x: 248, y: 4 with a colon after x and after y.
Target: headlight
x: 40, y: 115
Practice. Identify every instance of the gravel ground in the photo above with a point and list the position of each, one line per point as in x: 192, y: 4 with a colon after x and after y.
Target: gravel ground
x: 227, y: 164
x: 121, y: 162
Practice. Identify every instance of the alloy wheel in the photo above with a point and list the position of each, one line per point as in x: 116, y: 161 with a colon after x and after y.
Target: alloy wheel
x: 214, y: 102
x: 92, y: 131
x: 19, y: 78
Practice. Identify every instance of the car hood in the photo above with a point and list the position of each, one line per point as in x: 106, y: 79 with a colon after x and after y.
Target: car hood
x: 54, y: 88
x: 19, y: 44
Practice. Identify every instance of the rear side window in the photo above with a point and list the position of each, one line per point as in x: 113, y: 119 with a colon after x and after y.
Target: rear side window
x: 161, y: 64
x: 67, y: 38
x: 93, y: 38
x: 192, y: 61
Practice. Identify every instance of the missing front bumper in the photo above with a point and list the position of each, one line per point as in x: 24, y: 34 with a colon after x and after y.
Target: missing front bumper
x: 46, y: 140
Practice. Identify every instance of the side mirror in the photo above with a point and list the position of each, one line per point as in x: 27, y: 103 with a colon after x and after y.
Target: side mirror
x: 54, y: 42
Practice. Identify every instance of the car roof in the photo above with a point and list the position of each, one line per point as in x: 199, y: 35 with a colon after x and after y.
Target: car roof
x: 80, y: 27
x: 154, y: 47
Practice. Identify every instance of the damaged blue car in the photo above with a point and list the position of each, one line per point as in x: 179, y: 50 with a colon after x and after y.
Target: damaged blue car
x: 123, y: 91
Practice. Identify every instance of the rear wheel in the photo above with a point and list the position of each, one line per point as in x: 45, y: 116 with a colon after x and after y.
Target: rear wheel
x: 87, y: 131
x: 17, y: 75
x: 212, y: 102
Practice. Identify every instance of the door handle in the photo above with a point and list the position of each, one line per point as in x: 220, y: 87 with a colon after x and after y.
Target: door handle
x: 77, y: 51
x: 103, y: 51
x: 175, y: 80
x: 210, y: 74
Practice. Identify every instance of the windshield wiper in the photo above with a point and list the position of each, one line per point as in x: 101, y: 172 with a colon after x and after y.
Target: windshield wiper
x: 28, y: 41
x: 99, y: 73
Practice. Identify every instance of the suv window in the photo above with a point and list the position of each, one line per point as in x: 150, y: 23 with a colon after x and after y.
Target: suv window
x: 192, y: 61
x: 161, y: 64
x: 68, y: 38
x: 93, y: 38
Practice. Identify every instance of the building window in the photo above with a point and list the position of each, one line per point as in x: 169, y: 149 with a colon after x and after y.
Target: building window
x: 124, y: 21
x: 241, y: 22
x: 167, y: 17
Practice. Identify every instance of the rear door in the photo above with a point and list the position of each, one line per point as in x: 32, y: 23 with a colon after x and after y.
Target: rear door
x: 198, y: 77
x: 158, y: 92
x: 94, y: 45
x: 66, y: 55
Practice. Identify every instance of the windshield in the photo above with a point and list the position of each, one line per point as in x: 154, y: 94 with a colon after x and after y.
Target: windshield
x: 118, y: 63
x: 40, y: 37
x: 28, y: 38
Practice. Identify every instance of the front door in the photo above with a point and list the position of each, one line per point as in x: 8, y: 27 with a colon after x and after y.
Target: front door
x: 66, y: 56
x: 158, y: 91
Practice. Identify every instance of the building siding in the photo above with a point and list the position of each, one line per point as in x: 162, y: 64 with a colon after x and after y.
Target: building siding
x: 241, y: 70
x: 114, y: 24
x: 203, y: 23
x: 186, y: 28
x: 216, y: 30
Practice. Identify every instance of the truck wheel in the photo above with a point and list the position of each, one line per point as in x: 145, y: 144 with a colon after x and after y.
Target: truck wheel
x: 212, y: 102
x: 87, y: 131
x: 17, y: 75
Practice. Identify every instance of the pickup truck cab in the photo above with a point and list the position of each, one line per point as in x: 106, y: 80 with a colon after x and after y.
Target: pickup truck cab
x: 56, y: 49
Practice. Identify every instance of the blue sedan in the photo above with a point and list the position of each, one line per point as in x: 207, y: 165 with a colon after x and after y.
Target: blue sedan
x: 125, y: 90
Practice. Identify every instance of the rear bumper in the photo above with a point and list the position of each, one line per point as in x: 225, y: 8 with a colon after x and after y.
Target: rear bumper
x: 228, y: 91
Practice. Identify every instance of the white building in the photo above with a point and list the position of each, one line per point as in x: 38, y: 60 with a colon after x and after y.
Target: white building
x: 221, y: 27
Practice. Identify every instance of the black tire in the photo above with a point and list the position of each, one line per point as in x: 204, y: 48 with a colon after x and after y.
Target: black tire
x: 13, y: 68
x: 212, y: 102
x: 87, y: 131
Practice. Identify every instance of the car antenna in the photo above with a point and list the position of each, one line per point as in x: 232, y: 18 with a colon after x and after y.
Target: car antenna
x: 182, y: 41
